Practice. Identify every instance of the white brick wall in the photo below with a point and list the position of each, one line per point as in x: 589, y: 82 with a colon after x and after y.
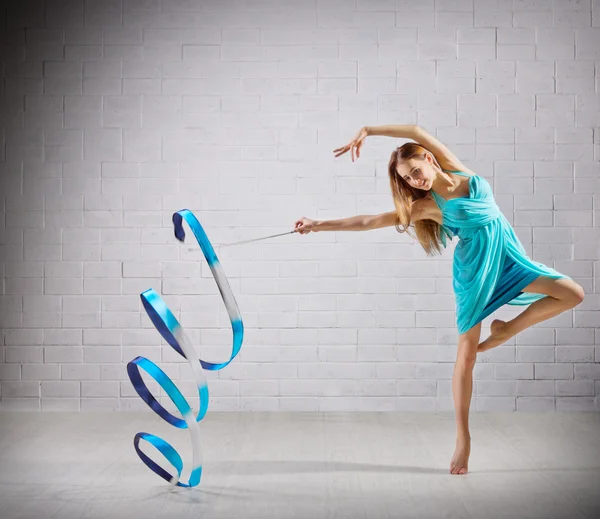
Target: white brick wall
x: 114, y: 114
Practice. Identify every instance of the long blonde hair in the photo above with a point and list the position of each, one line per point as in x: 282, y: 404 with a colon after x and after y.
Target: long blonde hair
x: 428, y: 232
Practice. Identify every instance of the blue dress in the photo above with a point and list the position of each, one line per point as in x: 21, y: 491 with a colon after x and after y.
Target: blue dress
x: 490, y: 267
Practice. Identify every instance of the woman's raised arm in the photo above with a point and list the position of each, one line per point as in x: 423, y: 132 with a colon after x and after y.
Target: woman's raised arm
x: 446, y: 159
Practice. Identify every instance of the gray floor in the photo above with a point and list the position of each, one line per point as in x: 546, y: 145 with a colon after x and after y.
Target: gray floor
x: 304, y: 465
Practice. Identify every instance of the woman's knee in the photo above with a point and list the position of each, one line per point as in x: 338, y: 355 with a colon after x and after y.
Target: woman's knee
x: 466, y: 361
x: 563, y: 289
x: 575, y: 295
x: 467, y: 354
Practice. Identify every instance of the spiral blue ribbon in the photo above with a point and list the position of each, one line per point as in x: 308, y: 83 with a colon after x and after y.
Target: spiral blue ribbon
x: 173, y: 333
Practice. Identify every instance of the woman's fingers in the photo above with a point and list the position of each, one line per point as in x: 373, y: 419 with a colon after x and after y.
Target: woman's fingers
x: 341, y: 151
x: 302, y: 225
x: 345, y: 149
x: 353, y: 147
x: 299, y: 226
x: 355, y: 153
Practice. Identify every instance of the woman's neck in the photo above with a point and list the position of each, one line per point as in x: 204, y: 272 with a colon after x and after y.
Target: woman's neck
x: 443, y: 184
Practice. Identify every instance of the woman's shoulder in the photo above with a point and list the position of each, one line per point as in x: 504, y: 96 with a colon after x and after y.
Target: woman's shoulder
x: 426, y: 208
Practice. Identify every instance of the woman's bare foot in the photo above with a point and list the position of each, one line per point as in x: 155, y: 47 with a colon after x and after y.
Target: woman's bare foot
x: 460, y: 459
x: 498, y: 334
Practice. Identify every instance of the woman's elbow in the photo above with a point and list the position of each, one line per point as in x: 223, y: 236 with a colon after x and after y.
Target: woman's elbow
x: 417, y: 131
x: 380, y: 220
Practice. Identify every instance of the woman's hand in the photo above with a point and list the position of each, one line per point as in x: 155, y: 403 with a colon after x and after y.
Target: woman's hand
x: 305, y: 225
x: 354, y: 145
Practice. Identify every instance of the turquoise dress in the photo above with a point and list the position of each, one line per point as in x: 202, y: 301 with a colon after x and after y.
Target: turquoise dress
x: 490, y: 266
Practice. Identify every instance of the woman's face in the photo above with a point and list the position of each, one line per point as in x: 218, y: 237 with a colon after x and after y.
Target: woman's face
x: 417, y: 172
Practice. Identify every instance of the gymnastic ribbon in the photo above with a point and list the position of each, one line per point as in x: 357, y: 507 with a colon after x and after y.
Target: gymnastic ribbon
x: 173, y: 333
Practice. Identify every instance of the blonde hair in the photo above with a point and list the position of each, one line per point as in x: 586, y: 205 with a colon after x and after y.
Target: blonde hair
x: 428, y: 232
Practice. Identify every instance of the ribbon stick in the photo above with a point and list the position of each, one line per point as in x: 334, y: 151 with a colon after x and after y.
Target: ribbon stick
x: 174, y: 334
x: 256, y: 239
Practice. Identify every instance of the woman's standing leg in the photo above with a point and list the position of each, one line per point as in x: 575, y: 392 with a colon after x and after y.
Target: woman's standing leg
x: 462, y: 389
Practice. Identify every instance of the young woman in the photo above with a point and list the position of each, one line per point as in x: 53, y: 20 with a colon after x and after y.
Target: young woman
x: 440, y: 198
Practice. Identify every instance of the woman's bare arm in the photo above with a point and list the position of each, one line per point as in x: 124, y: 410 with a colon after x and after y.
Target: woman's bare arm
x: 446, y: 159
x: 422, y: 209
x: 353, y: 223
x: 399, y: 131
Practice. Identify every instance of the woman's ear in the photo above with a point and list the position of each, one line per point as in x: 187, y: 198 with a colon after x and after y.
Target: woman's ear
x: 432, y: 160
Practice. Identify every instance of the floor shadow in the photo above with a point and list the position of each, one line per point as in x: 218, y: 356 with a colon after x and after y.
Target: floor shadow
x: 94, y: 494
x: 248, y: 468
x: 257, y: 467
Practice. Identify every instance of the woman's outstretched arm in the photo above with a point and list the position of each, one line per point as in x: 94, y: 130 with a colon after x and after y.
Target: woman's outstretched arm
x: 353, y: 223
x: 422, y: 209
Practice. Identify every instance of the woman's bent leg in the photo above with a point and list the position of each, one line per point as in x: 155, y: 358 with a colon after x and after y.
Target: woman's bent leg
x: 563, y: 294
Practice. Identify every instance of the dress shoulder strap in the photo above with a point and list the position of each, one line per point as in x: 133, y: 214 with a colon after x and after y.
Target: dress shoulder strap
x: 440, y: 200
